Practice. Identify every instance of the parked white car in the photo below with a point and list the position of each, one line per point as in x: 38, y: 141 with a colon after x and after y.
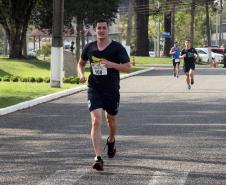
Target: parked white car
x: 152, y: 53
x: 203, y: 55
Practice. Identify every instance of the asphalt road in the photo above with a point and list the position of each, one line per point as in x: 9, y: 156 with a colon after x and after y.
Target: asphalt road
x: 168, y: 135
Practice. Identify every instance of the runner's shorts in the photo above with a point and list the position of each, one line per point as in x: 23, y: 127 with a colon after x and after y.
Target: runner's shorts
x: 187, y: 67
x: 175, y: 63
x: 107, y: 101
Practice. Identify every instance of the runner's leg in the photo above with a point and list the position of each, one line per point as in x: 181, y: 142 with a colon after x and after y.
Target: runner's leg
x: 187, y: 78
x: 191, y: 74
x: 96, y: 119
x: 177, y: 69
x: 174, y: 68
x: 112, y: 126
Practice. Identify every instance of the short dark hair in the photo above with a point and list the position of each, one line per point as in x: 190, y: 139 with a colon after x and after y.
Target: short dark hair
x: 189, y: 40
x: 99, y: 21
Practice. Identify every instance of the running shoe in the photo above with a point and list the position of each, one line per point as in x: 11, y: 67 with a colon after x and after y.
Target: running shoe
x: 192, y: 81
x: 189, y: 86
x: 99, y: 164
x: 111, y: 149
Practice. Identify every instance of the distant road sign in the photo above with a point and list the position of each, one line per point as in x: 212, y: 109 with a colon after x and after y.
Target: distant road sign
x: 166, y: 34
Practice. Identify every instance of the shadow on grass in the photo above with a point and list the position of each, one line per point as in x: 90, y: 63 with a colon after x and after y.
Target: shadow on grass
x: 12, y: 100
x: 3, y: 73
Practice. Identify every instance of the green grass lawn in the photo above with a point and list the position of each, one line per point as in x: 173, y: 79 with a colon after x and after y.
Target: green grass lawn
x: 12, y: 93
x: 152, y: 60
x: 24, y: 68
x: 15, y: 92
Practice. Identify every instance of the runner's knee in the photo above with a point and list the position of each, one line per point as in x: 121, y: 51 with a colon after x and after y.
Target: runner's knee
x: 96, y: 120
x: 110, y: 119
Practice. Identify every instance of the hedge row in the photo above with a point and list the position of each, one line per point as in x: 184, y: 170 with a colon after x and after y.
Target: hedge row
x: 72, y: 80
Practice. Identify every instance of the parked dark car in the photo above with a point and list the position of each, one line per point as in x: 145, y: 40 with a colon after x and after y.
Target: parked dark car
x: 218, y: 50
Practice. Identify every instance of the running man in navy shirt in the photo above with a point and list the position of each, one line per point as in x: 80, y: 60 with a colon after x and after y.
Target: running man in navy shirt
x: 190, y: 55
x: 107, y: 58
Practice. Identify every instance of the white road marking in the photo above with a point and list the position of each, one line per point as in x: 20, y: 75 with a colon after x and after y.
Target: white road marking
x: 64, y: 177
x: 168, y: 178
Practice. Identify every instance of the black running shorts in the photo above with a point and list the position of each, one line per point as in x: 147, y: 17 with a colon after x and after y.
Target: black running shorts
x: 187, y: 67
x: 175, y: 63
x: 107, y: 101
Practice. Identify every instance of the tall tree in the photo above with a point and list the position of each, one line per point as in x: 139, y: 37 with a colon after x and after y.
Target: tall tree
x: 142, y: 18
x: 167, y: 28
x: 14, y: 18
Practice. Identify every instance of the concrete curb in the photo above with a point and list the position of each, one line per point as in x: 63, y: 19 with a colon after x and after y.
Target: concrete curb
x: 50, y: 97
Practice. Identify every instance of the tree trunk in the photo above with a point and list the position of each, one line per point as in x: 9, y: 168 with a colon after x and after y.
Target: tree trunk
x: 167, y: 28
x: 173, y: 24
x: 78, y: 37
x: 208, y: 25
x: 192, y: 25
x: 129, y: 27
x: 24, y: 45
x: 15, y: 43
x: 82, y: 34
x: 5, y: 43
x: 142, y: 15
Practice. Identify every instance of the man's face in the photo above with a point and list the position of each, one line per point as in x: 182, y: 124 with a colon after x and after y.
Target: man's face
x: 102, y: 30
x: 187, y: 43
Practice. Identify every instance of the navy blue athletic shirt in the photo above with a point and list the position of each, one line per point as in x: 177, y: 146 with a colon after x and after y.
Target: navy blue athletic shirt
x: 189, y: 55
x: 100, y: 78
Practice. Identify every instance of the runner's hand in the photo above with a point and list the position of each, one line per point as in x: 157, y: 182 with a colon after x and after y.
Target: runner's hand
x: 107, y: 63
x: 82, y: 79
x: 183, y: 56
x: 196, y: 56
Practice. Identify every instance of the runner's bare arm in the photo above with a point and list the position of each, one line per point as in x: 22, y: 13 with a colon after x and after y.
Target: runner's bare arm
x: 126, y: 67
x: 81, y: 70
x: 183, y: 56
x: 196, y: 58
x: 171, y: 51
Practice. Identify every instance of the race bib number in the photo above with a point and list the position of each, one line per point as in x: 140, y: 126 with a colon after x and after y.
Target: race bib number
x: 99, y: 69
x: 177, y: 60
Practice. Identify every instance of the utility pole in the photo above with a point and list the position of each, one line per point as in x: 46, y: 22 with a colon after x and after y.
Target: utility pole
x: 217, y: 29
x: 158, y: 32
x: 208, y: 31
x: 129, y: 28
x: 57, y: 44
x: 220, y: 24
